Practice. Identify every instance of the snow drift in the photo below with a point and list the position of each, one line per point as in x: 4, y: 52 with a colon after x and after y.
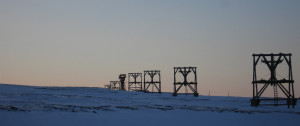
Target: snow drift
x: 77, y: 106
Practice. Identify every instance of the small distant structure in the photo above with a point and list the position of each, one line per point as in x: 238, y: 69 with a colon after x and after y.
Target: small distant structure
x: 122, y: 81
x: 185, y: 71
x: 272, y: 61
x: 154, y: 83
x: 135, y: 84
x: 115, y: 85
x: 107, y: 86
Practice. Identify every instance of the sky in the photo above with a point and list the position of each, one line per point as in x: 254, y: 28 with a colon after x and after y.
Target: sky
x: 90, y: 42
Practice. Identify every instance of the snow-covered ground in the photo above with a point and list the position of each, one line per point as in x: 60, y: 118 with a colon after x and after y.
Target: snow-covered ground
x: 79, y: 106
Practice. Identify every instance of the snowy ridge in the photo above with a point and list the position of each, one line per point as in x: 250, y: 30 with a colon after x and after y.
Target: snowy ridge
x: 82, y: 99
x: 93, y: 106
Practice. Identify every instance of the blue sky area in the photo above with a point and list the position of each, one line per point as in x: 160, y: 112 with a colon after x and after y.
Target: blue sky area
x: 90, y: 42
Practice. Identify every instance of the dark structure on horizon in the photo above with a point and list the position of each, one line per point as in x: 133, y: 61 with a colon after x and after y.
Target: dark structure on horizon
x: 185, y: 72
x: 135, y: 85
x: 156, y: 84
x: 122, y: 81
x: 107, y: 86
x: 272, y: 61
x: 115, y: 85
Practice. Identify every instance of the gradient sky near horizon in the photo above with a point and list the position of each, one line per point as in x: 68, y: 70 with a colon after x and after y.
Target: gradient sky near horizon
x: 90, y: 42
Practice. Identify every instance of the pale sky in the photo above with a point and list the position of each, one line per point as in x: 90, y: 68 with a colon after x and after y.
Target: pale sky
x: 90, y: 42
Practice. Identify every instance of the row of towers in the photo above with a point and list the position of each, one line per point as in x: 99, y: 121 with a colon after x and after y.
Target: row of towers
x: 286, y: 85
x: 152, y: 79
x: 136, y: 83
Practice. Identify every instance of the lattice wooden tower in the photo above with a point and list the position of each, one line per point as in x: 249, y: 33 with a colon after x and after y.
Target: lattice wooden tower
x: 286, y: 85
x: 115, y: 85
x: 135, y: 84
x: 155, y: 84
x: 191, y: 85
